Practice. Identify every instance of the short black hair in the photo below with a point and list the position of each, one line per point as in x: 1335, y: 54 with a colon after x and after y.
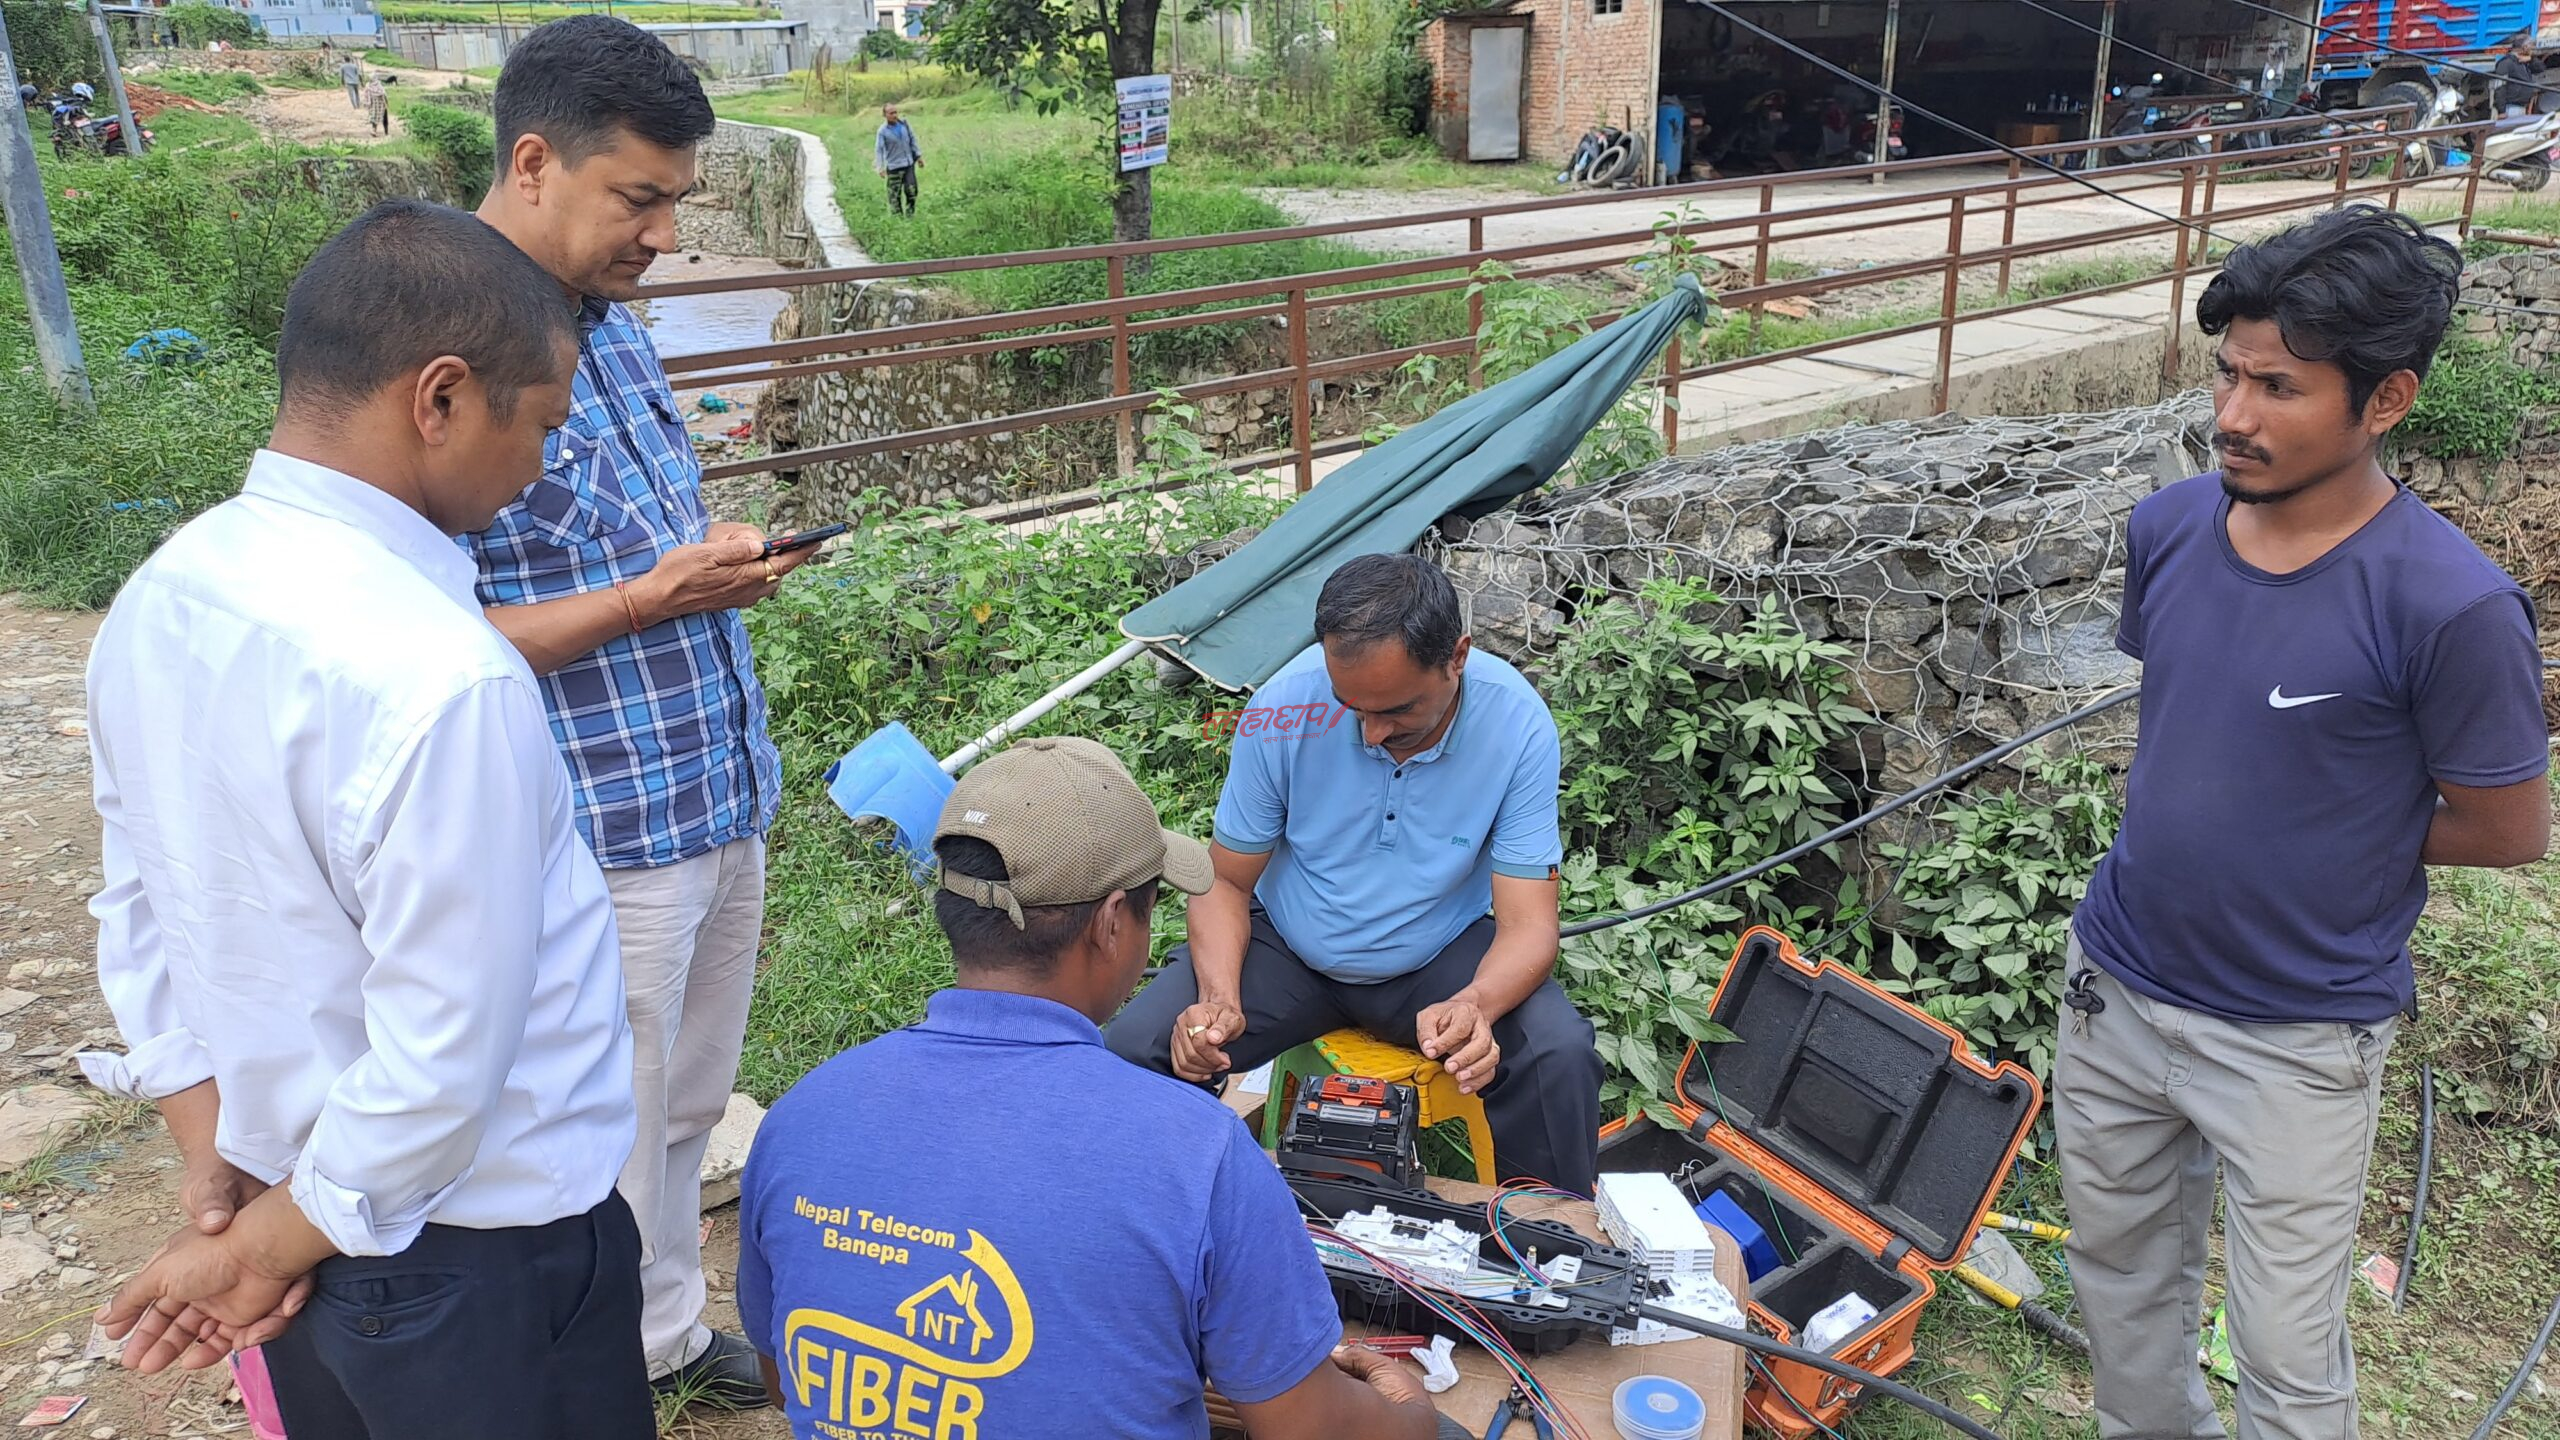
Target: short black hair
x: 576, y: 82
x: 1391, y: 597
x: 984, y: 939
x: 2363, y: 288
x: 406, y: 282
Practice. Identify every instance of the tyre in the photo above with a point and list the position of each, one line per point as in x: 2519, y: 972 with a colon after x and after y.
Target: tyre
x: 1615, y: 164
x: 2531, y: 175
x: 2407, y: 92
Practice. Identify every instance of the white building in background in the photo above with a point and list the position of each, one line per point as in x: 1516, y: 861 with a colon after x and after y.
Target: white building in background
x: 839, y: 25
x: 315, y: 17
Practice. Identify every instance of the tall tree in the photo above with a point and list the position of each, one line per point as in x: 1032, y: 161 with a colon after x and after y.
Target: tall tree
x: 1073, y: 48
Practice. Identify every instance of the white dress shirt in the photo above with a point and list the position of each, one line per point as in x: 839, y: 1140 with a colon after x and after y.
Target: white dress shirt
x: 342, y: 877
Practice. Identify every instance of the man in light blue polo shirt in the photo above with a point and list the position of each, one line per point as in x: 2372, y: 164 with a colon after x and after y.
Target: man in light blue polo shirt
x: 1388, y: 788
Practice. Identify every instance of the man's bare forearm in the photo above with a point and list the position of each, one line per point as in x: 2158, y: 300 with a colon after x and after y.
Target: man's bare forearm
x: 1511, y: 971
x: 192, y: 1116
x: 1221, y: 922
x: 551, y: 633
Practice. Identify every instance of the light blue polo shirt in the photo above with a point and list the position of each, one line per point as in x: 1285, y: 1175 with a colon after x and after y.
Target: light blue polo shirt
x: 1375, y: 866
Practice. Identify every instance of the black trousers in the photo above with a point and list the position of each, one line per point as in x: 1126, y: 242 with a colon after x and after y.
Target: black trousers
x: 523, y: 1334
x: 1543, y: 1102
x: 902, y: 190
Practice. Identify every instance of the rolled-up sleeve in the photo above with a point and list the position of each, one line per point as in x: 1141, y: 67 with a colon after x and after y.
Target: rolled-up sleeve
x: 448, y: 870
x: 162, y: 1055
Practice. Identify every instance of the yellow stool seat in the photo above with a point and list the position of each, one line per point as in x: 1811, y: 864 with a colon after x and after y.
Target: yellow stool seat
x: 1357, y: 1052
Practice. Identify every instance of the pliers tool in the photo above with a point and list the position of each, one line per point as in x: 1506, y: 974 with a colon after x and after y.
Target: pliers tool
x: 1518, y: 1404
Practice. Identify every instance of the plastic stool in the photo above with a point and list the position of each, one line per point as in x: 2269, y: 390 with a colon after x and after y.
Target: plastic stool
x: 1357, y: 1052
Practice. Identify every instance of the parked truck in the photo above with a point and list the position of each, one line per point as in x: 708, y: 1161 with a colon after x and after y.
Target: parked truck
x: 2351, y: 68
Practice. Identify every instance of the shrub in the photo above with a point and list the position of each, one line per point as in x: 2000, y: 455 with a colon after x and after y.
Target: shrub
x: 463, y: 143
x: 51, y: 45
x: 199, y: 25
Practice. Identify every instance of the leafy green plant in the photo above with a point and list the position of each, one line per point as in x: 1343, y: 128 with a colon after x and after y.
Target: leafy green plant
x: 464, y: 143
x: 2474, y: 402
x: 50, y: 44
x: 1693, y: 735
x: 198, y: 25
x: 1989, y: 900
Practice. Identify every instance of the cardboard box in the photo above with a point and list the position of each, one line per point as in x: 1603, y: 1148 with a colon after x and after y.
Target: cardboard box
x: 2024, y: 134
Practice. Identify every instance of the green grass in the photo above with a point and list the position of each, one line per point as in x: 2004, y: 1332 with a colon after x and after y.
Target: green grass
x: 996, y: 180
x: 213, y: 87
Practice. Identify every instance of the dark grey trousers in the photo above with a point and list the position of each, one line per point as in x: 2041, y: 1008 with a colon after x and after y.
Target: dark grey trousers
x: 1543, y: 1102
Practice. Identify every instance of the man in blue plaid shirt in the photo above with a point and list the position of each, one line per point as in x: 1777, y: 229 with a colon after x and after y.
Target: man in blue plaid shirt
x: 624, y: 595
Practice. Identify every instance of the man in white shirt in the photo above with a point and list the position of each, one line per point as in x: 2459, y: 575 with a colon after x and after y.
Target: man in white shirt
x: 349, y: 930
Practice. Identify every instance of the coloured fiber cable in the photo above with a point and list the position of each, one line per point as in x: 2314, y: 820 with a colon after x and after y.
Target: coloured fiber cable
x: 1814, y: 1359
x: 2418, y: 1197
x: 1493, y: 1219
x: 1469, y: 1321
x: 2524, y: 1372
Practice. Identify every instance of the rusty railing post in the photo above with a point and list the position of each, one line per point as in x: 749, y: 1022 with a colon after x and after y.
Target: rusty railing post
x: 2212, y: 175
x: 1947, y: 304
x: 2178, y: 280
x: 1301, y: 409
x: 2009, y: 224
x: 1671, y: 396
x: 1117, y: 268
x: 1760, y: 257
x: 2340, y: 200
x: 2399, y: 160
x: 1475, y: 306
x: 2479, y: 142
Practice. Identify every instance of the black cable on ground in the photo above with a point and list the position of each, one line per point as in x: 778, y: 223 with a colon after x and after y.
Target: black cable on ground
x: 2524, y: 1372
x: 2418, y: 1198
x: 1815, y: 1359
x: 1851, y: 826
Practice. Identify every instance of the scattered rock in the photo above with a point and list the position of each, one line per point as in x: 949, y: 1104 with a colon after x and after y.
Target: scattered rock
x: 13, y: 1001
x: 726, y: 1154
x: 75, y: 1276
x: 35, y: 1116
x: 22, y: 1259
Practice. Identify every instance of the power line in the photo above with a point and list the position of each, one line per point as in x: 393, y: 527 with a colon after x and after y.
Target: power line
x: 2123, y: 44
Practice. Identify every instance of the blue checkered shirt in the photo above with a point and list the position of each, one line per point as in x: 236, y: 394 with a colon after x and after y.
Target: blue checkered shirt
x: 664, y: 731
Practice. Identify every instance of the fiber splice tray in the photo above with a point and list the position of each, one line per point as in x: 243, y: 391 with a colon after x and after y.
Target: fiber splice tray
x: 1863, y: 1135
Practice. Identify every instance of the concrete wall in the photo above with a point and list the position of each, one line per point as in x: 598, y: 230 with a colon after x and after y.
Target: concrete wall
x: 837, y: 24
x: 746, y: 48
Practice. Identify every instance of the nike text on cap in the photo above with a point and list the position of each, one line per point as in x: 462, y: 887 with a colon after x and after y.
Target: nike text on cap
x: 1071, y: 826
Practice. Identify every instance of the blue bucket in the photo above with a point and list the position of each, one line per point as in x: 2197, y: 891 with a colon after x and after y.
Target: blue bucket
x: 892, y: 777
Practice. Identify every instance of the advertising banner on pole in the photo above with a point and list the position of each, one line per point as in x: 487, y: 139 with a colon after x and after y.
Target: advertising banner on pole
x: 1146, y: 119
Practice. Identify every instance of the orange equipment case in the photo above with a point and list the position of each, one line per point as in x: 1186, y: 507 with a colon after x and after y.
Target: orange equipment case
x: 1862, y: 1134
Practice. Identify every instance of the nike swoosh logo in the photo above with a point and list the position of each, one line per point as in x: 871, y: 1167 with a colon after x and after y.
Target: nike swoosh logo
x: 2281, y: 701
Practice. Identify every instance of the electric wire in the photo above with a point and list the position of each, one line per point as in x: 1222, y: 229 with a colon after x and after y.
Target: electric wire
x: 2524, y: 1372
x: 2389, y: 49
x: 2418, y: 1197
x: 1814, y: 1359
x: 2292, y: 111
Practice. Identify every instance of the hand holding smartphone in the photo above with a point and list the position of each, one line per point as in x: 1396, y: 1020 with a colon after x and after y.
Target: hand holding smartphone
x: 803, y: 539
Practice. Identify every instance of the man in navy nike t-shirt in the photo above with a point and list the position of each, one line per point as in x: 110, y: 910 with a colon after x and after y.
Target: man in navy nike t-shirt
x: 2338, y: 690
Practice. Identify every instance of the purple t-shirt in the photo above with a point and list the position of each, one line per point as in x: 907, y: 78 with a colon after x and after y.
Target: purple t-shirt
x: 2293, y: 727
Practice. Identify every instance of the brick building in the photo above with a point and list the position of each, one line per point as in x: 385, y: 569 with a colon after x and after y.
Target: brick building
x: 1585, y: 62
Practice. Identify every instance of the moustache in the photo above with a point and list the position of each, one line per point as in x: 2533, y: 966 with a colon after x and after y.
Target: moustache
x: 2234, y: 445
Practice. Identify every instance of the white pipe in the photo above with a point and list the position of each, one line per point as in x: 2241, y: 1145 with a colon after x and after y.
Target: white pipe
x: 1083, y: 680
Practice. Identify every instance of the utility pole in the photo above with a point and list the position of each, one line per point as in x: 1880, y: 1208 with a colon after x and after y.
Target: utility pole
x: 2098, y: 89
x: 1884, y: 97
x: 39, y: 264
x: 115, y: 80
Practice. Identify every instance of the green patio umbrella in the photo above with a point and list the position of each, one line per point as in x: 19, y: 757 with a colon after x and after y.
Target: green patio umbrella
x: 1241, y: 619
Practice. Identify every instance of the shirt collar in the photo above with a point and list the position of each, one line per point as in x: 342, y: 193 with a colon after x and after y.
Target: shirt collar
x: 1003, y: 1015
x: 593, y: 310
x: 336, y: 495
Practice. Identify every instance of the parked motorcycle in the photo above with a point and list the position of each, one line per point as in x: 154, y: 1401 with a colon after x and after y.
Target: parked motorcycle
x: 2518, y: 152
x: 1894, y: 149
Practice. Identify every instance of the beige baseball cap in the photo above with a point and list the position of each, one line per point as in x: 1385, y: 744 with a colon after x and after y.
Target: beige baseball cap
x: 1071, y: 825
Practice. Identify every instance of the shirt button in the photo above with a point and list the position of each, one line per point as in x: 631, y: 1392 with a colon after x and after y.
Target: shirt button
x: 1391, y: 814
x: 369, y: 1325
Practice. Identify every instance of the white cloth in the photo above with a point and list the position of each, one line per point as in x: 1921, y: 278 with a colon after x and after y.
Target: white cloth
x: 342, y: 876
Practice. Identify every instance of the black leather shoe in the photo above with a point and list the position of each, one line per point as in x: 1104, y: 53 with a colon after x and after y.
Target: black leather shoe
x: 726, y: 1376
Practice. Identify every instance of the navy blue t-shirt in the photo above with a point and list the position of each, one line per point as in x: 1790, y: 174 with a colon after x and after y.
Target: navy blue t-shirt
x: 988, y: 1227
x: 2293, y: 727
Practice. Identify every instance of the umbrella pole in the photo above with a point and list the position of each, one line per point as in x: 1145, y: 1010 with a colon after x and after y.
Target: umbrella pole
x: 1082, y: 681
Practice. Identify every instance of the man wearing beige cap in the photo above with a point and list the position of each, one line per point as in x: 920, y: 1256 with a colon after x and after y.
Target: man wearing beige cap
x: 988, y: 1225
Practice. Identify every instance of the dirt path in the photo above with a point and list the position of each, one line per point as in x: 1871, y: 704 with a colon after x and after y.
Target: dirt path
x: 90, y: 1212
x: 321, y: 116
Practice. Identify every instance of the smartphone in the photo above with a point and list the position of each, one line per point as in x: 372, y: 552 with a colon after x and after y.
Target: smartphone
x: 803, y: 539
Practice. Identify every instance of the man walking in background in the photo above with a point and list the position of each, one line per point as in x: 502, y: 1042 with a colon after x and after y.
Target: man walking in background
x: 351, y: 75
x: 894, y: 154
x: 2338, y: 690
x: 623, y: 594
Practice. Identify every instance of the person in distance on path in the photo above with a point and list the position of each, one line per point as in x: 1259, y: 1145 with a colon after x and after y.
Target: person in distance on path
x: 2338, y: 691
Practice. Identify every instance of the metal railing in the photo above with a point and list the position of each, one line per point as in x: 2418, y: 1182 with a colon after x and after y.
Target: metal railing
x: 2185, y: 196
